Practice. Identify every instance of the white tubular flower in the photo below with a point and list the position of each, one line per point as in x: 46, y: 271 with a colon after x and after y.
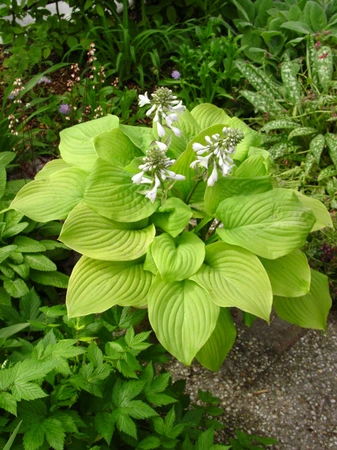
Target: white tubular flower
x: 155, y: 165
x: 217, y: 152
x: 165, y: 107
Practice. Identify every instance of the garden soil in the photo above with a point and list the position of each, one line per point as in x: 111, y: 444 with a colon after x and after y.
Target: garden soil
x: 278, y: 381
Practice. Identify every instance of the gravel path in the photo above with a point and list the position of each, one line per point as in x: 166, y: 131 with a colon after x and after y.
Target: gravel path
x: 278, y: 381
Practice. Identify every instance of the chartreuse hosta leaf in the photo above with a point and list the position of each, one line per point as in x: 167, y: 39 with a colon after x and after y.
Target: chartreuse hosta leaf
x: 140, y: 136
x: 323, y: 218
x: 98, y: 237
x: 310, y: 310
x: 76, y: 145
x: 189, y: 128
x: 208, y: 115
x: 231, y: 186
x: 217, y: 347
x: 111, y: 192
x: 173, y: 216
x: 254, y: 166
x: 95, y: 286
x: 51, y: 167
x: 289, y: 275
x: 235, y: 277
x: 270, y: 224
x: 51, y: 198
x: 183, y: 317
x: 179, y: 258
x: 115, y: 147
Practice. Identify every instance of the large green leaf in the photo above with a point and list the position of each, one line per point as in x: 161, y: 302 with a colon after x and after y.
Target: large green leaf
x: 76, y: 146
x: 310, y: 310
x: 51, y: 198
x: 232, y: 186
x: 142, y: 137
x: 189, y: 128
x: 323, y: 218
x: 173, y: 216
x: 179, y: 258
x: 95, y: 236
x: 50, y: 168
x: 183, y: 317
x: 235, y: 277
x: 289, y: 275
x: 95, y: 286
x: 208, y: 115
x: 111, y: 192
x: 115, y: 147
x: 271, y: 224
x: 217, y: 347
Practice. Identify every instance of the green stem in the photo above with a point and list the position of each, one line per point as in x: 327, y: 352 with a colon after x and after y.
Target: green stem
x: 188, y: 198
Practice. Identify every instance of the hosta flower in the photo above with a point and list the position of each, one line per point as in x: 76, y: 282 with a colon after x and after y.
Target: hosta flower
x: 165, y: 107
x: 154, y: 170
x: 216, y: 154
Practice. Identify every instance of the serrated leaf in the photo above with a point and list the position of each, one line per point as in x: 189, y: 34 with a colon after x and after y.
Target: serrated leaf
x: 270, y: 224
x: 98, y: 237
x: 52, y: 278
x: 21, y: 269
x: 122, y: 283
x: 183, y: 317
x: 27, y: 391
x: 124, y: 423
x: 16, y: 288
x: 34, y: 436
x: 14, y: 230
x: 6, y: 251
x: 39, y: 262
x: 310, y: 310
x: 105, y: 424
x: 149, y: 443
x: 28, y: 245
x: 8, y: 403
x: 54, y: 433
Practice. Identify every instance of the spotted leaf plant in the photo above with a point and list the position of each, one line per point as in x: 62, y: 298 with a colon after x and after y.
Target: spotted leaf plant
x: 183, y: 219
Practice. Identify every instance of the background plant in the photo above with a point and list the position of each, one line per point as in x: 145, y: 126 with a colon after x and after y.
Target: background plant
x: 299, y: 118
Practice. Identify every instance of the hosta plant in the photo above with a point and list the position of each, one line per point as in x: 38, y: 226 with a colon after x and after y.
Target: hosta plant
x: 183, y: 219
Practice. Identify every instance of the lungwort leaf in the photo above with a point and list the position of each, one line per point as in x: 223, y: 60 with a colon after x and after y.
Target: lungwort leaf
x: 98, y: 237
x: 235, y: 277
x: 179, y: 258
x: 96, y: 286
x: 271, y: 224
x: 183, y: 317
x: 310, y: 310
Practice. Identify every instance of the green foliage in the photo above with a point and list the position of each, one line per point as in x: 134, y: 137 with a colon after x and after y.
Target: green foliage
x: 65, y: 384
x: 206, y: 63
x: 24, y: 259
x: 245, y: 441
x: 207, y: 257
x: 269, y: 28
x: 299, y: 118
